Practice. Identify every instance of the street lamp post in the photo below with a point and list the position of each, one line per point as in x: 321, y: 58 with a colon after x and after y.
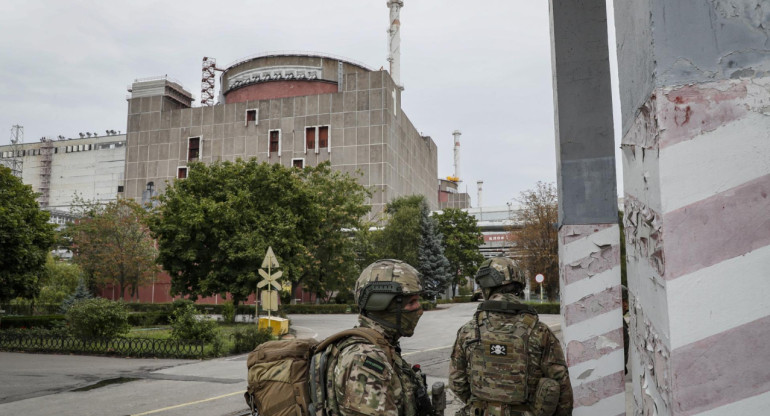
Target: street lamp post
x: 539, y: 278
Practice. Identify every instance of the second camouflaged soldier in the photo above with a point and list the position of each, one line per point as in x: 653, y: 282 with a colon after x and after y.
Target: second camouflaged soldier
x: 369, y: 379
x: 505, y: 361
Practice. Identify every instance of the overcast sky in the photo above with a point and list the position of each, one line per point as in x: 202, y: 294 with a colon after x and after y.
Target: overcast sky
x: 481, y: 67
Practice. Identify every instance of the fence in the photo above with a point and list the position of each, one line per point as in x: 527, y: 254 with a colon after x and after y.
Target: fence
x: 130, y: 347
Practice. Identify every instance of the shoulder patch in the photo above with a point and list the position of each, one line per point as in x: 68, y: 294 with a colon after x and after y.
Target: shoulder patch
x: 374, y: 365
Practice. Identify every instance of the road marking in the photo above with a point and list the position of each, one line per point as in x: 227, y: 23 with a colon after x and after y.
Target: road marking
x: 429, y: 349
x: 189, y: 404
x: 309, y: 329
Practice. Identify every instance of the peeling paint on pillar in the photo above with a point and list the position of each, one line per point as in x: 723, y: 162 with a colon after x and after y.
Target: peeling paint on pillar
x: 591, y: 311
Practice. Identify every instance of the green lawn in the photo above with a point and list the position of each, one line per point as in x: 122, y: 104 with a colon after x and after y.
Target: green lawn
x: 225, y: 337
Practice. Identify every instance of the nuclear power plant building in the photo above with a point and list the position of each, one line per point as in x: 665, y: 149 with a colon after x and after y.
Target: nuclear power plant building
x: 293, y: 109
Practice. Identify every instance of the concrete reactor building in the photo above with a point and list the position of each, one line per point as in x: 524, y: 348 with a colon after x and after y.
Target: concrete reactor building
x: 295, y: 109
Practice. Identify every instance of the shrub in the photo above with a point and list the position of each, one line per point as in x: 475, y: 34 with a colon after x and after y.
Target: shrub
x: 312, y: 308
x: 246, y: 339
x: 228, y: 311
x: 546, y: 308
x: 427, y: 305
x: 148, y: 318
x: 181, y: 304
x: 98, y: 317
x: 185, y: 325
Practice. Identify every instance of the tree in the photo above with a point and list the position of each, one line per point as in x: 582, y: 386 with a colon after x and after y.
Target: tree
x: 339, y: 203
x: 432, y: 263
x: 537, y: 241
x: 81, y: 293
x: 112, y: 244
x: 214, y: 227
x: 462, y: 238
x: 25, y: 238
x: 401, y: 236
x: 59, y: 281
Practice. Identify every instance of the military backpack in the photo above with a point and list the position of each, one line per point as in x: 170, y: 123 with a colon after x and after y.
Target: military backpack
x: 287, y: 377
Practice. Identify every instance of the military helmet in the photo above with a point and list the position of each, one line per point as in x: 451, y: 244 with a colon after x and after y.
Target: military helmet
x: 382, y: 281
x: 499, y: 271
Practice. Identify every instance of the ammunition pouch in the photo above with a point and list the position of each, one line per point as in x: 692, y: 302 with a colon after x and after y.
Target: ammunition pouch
x: 544, y: 403
x: 546, y: 398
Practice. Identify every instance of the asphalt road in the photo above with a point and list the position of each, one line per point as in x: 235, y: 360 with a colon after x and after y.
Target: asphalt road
x: 64, y: 385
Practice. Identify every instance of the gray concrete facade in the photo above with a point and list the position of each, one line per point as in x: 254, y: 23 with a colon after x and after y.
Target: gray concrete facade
x: 368, y: 133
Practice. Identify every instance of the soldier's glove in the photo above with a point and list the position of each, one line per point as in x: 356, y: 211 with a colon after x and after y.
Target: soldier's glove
x: 421, y: 397
x: 424, y: 407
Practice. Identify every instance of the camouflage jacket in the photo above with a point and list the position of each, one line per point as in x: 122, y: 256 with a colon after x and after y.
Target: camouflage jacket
x: 546, y: 358
x: 365, y: 383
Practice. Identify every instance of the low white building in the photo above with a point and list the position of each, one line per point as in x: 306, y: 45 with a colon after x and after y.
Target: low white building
x: 91, y: 168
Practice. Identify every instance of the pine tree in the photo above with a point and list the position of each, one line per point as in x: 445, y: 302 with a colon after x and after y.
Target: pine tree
x: 81, y: 293
x: 432, y: 263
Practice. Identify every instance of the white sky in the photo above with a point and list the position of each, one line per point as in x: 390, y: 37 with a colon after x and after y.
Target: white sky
x: 483, y: 68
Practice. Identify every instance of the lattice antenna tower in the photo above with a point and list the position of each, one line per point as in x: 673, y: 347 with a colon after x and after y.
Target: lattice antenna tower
x: 208, y: 80
x: 15, y: 161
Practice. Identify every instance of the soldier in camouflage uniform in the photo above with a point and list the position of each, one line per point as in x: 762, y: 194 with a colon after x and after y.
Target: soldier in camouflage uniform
x: 505, y: 361
x: 367, y: 379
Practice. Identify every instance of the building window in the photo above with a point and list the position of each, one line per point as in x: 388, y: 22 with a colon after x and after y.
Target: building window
x: 309, y: 138
x: 298, y: 163
x: 316, y: 138
x: 181, y: 172
x: 275, y: 141
x: 323, y: 137
x: 252, y: 115
x: 120, y: 188
x: 193, y: 148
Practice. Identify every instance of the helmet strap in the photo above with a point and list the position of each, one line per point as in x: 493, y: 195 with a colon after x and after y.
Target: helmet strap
x: 399, y: 300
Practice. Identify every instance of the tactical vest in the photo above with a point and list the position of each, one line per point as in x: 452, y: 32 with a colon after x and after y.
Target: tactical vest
x: 499, y: 356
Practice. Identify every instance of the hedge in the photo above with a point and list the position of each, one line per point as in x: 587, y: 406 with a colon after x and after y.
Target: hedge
x: 146, y: 314
x: 149, y: 318
x: 551, y: 308
x: 30, y: 308
x: 35, y: 321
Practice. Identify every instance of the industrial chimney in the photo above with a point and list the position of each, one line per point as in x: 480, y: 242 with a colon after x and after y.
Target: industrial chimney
x: 394, y: 40
x: 479, y: 184
x: 456, y: 135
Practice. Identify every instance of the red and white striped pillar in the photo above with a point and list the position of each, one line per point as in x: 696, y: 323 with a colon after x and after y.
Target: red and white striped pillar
x: 589, y: 237
x: 695, y: 88
x: 589, y: 257
x: 698, y: 245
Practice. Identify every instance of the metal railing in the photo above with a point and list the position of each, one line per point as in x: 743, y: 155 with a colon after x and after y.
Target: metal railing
x: 130, y: 347
x: 296, y: 53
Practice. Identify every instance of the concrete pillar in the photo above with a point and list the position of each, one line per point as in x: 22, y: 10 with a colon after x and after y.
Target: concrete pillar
x: 695, y: 95
x: 589, y: 238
